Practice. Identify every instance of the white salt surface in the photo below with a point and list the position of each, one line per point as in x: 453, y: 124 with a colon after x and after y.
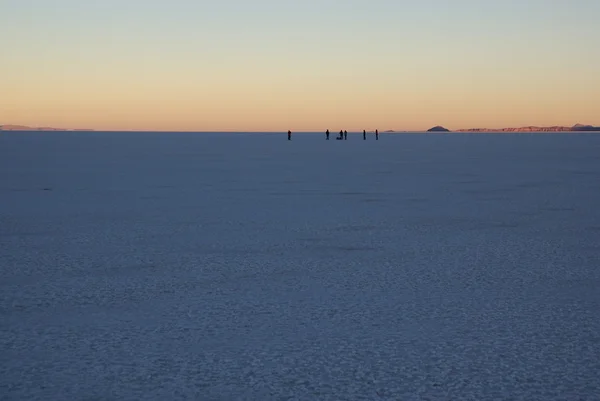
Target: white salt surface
x: 145, y: 266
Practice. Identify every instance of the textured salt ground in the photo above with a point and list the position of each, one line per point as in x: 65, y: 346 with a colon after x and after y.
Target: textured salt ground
x: 235, y: 267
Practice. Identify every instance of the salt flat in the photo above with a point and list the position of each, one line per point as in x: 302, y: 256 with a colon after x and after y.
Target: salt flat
x: 181, y: 266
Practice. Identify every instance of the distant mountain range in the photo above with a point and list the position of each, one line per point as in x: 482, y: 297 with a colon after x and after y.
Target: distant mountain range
x: 531, y: 128
x: 555, y: 128
x: 26, y: 128
x: 438, y: 128
x: 10, y: 127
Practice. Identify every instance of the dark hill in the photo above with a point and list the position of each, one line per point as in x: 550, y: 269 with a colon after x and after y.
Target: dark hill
x: 438, y: 128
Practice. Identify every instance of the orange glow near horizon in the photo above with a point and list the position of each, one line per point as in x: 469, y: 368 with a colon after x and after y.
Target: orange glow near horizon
x: 290, y: 67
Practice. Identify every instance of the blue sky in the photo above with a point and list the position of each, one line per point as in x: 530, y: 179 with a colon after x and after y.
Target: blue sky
x: 305, y: 64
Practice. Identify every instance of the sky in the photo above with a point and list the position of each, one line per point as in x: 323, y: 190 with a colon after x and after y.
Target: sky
x: 304, y: 65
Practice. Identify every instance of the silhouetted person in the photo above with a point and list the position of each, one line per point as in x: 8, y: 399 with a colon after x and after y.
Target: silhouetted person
x: 364, y: 135
x: 327, y: 134
x: 341, y: 135
x: 376, y: 135
x: 345, y: 135
x: 289, y: 135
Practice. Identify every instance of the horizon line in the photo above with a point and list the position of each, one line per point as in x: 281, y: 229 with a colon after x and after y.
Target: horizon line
x: 19, y: 127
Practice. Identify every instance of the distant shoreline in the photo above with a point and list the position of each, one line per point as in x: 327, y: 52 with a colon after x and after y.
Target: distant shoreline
x: 394, y: 133
x: 437, y: 129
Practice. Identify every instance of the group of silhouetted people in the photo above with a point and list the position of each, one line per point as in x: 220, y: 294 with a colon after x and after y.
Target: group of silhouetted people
x: 342, y: 136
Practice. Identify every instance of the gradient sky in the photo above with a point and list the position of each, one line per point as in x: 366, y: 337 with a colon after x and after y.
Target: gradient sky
x: 304, y: 65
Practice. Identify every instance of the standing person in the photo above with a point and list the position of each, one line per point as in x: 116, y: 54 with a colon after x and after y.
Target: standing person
x: 345, y: 135
x: 376, y: 134
x: 289, y: 135
x: 327, y: 134
x: 364, y: 135
x: 341, y: 135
